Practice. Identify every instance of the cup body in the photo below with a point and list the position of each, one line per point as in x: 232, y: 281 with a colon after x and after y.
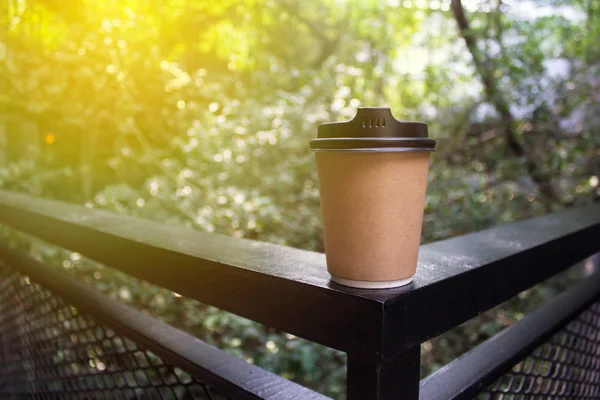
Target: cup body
x: 372, y: 206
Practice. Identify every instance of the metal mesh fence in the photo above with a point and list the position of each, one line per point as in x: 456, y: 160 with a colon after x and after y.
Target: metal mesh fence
x: 565, y: 367
x: 51, y: 350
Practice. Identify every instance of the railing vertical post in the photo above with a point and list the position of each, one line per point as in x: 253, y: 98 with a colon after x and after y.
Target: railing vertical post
x: 396, y: 378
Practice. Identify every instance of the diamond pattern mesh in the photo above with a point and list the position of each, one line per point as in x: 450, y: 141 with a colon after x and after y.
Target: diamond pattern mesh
x: 565, y: 367
x: 51, y: 350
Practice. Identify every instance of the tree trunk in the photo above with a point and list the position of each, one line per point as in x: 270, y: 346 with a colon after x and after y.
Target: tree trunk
x: 498, y: 100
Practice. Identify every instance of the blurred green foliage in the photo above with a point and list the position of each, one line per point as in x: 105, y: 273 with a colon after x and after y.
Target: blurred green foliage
x: 199, y: 113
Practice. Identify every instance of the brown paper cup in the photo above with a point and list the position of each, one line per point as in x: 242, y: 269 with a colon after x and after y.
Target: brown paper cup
x: 372, y: 205
x: 372, y: 180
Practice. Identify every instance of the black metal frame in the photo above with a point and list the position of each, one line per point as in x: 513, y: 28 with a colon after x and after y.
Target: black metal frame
x: 228, y: 374
x: 464, y: 377
x: 289, y: 289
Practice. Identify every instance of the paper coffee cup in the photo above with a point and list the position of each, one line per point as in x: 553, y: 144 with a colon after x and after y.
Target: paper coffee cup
x: 372, y: 182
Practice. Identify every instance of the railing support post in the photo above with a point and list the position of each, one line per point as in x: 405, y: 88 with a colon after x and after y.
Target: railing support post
x: 396, y: 378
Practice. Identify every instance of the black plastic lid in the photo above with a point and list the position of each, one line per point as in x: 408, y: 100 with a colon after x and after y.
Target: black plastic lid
x: 373, y: 129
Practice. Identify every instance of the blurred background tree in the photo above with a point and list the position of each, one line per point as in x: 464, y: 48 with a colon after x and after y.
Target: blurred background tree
x: 198, y: 113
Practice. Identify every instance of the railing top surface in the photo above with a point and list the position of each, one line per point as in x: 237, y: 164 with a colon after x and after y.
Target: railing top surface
x: 289, y: 289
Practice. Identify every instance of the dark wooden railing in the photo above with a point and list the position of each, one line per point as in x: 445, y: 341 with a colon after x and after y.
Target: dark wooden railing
x: 289, y: 289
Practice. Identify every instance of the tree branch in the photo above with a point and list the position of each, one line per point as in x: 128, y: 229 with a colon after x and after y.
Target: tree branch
x: 499, y: 102
x: 328, y: 45
x: 293, y: 11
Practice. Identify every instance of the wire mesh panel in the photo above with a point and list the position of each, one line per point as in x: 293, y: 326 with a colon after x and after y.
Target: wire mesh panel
x: 51, y: 350
x: 565, y: 367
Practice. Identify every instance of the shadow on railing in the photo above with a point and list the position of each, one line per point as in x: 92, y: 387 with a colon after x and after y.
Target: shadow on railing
x: 49, y: 351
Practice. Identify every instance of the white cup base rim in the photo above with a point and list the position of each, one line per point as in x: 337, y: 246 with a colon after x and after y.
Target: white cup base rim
x: 372, y: 284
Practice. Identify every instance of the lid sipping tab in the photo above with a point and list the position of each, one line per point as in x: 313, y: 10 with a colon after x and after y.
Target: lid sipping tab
x: 373, y: 129
x: 372, y: 122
